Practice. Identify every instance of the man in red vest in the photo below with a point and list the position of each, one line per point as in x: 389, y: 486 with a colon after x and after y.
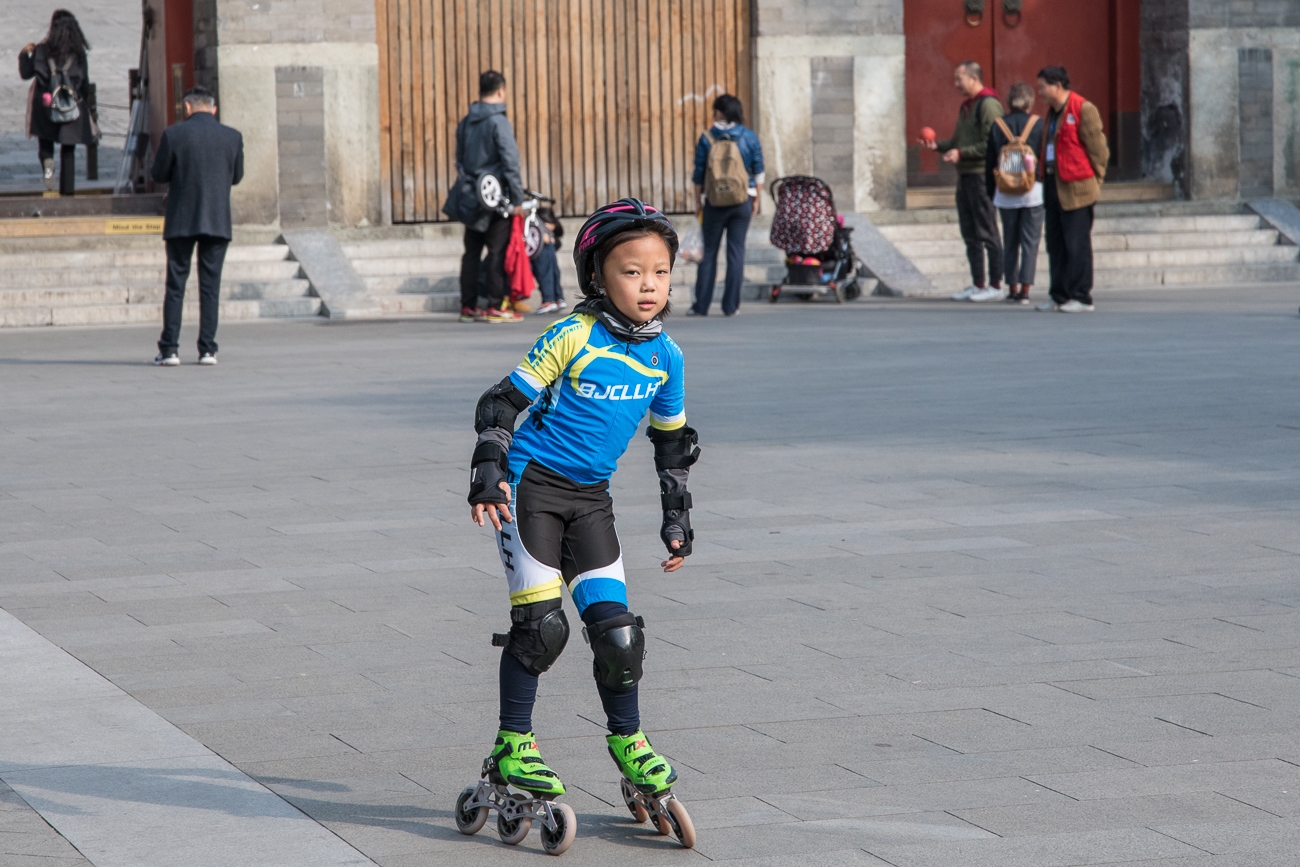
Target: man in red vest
x: 1073, y: 165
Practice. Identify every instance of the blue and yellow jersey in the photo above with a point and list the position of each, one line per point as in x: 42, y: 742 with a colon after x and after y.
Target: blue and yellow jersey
x: 589, y: 394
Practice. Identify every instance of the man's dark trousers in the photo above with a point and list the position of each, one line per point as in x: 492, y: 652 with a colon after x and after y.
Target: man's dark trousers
x: 212, y: 255
x: 496, y: 238
x: 979, y: 228
x: 735, y: 221
x: 1069, y: 248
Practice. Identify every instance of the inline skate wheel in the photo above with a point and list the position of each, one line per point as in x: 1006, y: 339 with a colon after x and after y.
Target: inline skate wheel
x: 683, y: 827
x: 634, y: 806
x: 469, y: 821
x: 639, y: 814
x: 558, y: 841
x: 512, y: 832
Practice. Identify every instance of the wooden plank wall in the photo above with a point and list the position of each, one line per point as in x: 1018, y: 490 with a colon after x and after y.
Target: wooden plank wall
x: 607, y: 97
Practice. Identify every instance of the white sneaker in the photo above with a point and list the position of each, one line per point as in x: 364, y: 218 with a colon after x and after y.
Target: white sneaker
x: 965, y: 294
x: 1046, y: 307
x: 207, y: 358
x: 171, y: 360
x: 1073, y: 306
x: 989, y: 294
x: 548, y: 307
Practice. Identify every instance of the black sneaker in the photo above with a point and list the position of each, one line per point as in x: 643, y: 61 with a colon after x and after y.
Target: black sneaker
x: 169, y: 359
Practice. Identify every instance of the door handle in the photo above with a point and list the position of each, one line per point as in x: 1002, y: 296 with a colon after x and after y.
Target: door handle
x: 974, y: 12
x: 1010, y: 8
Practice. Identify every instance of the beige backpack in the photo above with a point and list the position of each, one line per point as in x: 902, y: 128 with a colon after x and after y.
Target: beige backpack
x: 1016, y: 172
x: 726, y: 182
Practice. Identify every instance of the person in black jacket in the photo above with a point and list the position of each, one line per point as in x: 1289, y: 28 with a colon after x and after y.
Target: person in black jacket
x: 64, y: 50
x: 200, y: 159
x: 1022, y: 215
x: 485, y: 143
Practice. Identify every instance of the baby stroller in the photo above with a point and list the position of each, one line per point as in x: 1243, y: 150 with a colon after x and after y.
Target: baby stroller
x: 819, y: 256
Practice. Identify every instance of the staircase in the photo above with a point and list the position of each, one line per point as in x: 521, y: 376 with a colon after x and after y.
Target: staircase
x: 1132, y: 246
x: 102, y: 280
x: 422, y: 275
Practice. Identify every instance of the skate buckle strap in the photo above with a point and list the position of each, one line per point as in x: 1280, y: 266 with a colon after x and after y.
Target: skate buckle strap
x: 500, y: 639
x: 677, y: 501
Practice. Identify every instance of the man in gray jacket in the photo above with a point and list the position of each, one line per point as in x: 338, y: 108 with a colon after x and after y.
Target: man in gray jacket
x: 485, y: 143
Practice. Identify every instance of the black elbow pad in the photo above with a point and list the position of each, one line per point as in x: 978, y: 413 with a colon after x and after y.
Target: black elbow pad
x: 499, y: 406
x: 674, y: 449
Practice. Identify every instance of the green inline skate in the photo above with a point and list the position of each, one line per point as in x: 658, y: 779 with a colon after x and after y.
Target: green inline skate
x: 516, y: 762
x: 647, y: 786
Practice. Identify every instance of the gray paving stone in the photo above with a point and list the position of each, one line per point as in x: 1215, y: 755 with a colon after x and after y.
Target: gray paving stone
x: 1013, y: 580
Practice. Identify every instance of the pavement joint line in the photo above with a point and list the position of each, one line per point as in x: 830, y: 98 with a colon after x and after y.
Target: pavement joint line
x: 108, y: 774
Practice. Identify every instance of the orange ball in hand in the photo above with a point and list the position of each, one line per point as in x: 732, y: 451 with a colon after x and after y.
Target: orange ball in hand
x: 927, y: 134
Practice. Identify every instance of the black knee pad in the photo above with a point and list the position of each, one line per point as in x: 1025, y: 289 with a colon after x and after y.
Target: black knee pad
x: 538, y: 633
x: 619, y: 646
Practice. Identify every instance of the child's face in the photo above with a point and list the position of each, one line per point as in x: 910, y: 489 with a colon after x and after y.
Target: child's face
x: 636, y: 277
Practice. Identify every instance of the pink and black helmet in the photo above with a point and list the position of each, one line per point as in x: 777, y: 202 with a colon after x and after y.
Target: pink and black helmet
x: 613, y: 218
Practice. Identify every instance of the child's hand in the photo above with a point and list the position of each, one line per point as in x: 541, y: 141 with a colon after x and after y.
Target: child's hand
x: 496, y: 512
x: 672, y: 564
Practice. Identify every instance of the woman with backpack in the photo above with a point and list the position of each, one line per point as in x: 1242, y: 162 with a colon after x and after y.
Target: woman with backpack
x: 1009, y: 175
x: 729, y: 186
x: 58, y: 109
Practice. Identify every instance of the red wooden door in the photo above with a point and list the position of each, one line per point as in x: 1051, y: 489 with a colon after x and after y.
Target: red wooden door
x: 938, y: 37
x: 1076, y: 34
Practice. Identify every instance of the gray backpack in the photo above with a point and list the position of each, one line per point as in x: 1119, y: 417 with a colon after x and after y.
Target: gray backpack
x: 63, y: 99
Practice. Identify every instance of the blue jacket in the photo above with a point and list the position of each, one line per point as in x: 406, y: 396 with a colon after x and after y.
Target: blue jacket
x: 750, y: 151
x: 594, y: 392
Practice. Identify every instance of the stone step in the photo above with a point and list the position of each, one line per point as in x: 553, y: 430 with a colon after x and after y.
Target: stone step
x: 122, y: 314
x: 952, y: 264
x: 1266, y: 272
x: 431, y: 302
x: 156, y: 257
x: 405, y: 248
x: 79, y: 296
x: 1100, y: 243
x: 407, y: 265
x: 900, y: 234
x: 235, y: 271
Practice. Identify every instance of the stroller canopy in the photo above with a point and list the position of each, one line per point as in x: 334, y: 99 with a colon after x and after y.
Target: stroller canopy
x: 805, y: 218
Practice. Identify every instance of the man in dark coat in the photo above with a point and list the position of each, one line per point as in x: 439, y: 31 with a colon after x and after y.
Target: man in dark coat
x: 485, y: 143
x: 200, y: 159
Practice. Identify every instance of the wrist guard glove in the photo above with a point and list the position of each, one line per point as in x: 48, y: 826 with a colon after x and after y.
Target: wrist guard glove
x: 488, y: 468
x: 677, y: 523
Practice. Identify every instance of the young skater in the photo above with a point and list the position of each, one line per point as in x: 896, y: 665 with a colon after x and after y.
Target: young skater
x: 587, y: 383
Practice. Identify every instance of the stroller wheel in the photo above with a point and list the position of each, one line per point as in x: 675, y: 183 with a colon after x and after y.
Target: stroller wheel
x: 776, y: 294
x: 853, y: 291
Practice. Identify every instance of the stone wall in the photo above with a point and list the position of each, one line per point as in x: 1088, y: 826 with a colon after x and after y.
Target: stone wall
x: 829, y: 96
x: 829, y: 17
x: 256, y: 40
x: 832, y: 124
x: 1219, y: 96
x: 1205, y: 14
x: 1255, y: 113
x: 300, y: 131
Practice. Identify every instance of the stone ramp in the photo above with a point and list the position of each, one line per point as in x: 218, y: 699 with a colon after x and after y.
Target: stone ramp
x: 126, y: 787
